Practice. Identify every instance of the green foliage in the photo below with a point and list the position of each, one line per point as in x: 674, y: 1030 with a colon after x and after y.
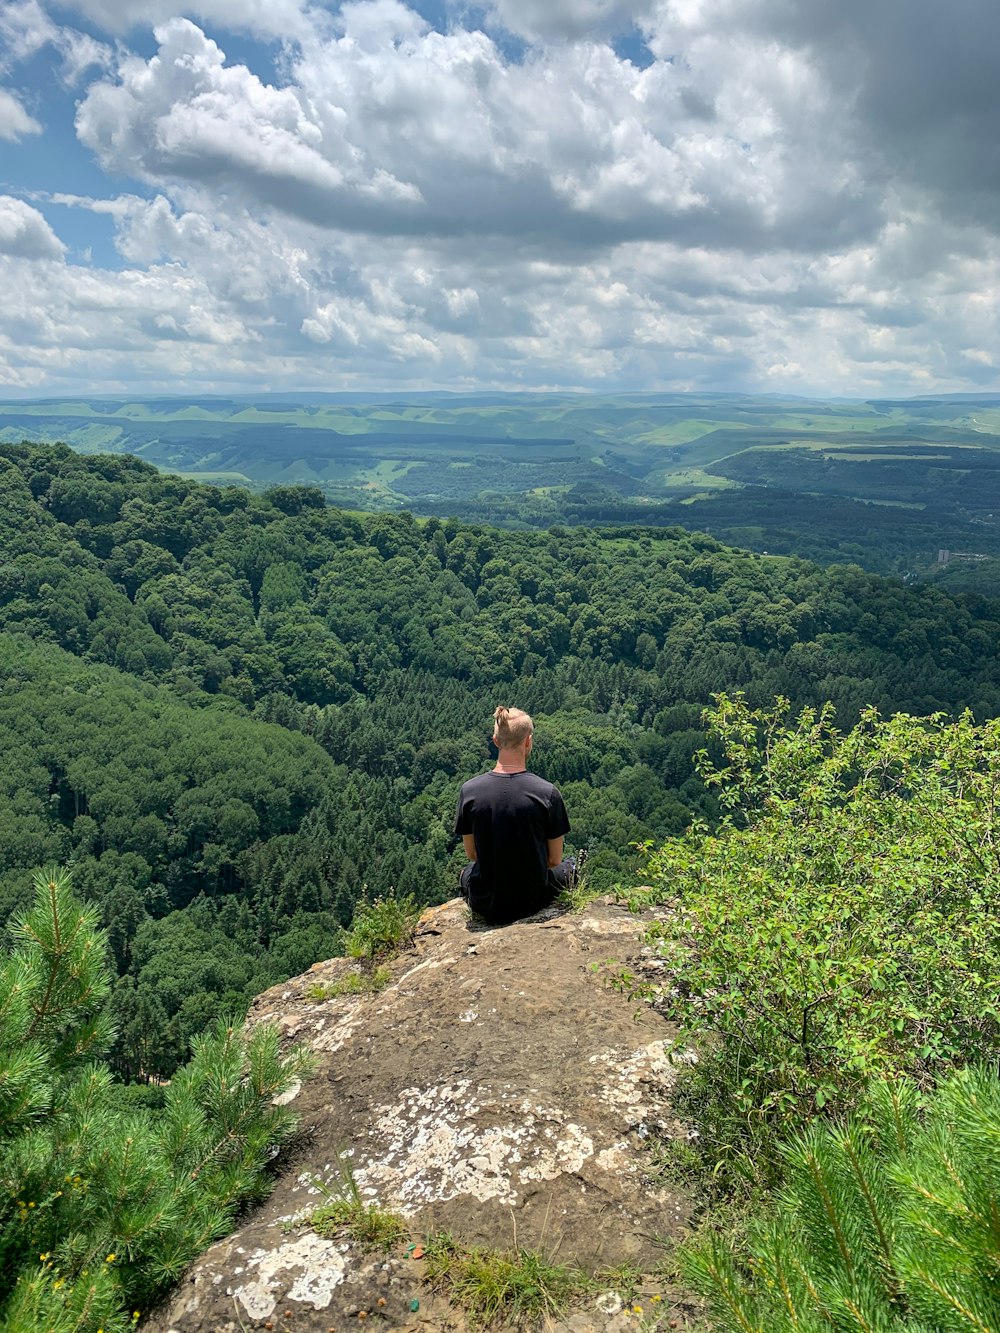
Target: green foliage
x: 363, y: 981
x: 102, y: 1204
x: 840, y: 923
x: 228, y: 712
x: 380, y: 929
x: 887, y: 1221
x: 518, y: 1286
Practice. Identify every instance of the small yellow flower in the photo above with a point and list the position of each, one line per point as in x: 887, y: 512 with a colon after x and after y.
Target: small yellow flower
x: 656, y: 1298
x: 110, y: 1259
x: 44, y: 1256
x: 31, y: 1205
x: 637, y: 1309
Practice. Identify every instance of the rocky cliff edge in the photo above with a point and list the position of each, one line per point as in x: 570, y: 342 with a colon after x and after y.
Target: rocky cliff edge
x: 498, y: 1089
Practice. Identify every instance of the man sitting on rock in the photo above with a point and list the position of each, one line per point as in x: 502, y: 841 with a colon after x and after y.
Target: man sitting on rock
x: 512, y: 824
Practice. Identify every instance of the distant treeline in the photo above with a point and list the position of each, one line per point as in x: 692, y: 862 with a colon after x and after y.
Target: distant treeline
x: 773, y: 519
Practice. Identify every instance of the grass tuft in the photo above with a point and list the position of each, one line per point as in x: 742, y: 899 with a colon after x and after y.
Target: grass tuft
x: 516, y: 1286
x: 626, y: 1279
x: 578, y: 896
x: 372, y: 1226
x: 581, y: 893
x: 365, y: 981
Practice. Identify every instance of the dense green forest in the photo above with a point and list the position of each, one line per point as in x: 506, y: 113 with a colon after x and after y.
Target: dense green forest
x: 771, y: 519
x: 234, y: 715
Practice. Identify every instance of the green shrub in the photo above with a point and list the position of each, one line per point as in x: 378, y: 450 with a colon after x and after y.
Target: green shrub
x: 381, y: 927
x: 887, y: 1222
x: 101, y: 1204
x: 139, y: 1096
x: 840, y: 923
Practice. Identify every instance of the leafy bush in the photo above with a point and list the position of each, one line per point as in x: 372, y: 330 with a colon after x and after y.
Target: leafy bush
x: 840, y: 923
x: 381, y: 927
x: 101, y: 1204
x: 887, y: 1222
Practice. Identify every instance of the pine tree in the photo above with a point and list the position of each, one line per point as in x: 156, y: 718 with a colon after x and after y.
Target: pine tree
x: 887, y: 1223
x: 101, y: 1207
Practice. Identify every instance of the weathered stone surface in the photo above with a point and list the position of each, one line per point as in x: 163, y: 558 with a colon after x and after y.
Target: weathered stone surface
x: 498, y: 1089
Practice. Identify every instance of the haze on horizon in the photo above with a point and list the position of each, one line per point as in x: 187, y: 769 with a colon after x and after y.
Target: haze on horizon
x: 245, y: 196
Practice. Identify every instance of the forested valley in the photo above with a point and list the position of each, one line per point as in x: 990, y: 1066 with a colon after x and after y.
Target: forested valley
x: 233, y: 717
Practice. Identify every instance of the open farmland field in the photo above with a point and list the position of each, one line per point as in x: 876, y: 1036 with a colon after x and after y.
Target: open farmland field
x: 774, y: 473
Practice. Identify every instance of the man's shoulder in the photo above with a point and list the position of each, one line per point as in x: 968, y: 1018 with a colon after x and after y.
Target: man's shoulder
x: 491, y: 781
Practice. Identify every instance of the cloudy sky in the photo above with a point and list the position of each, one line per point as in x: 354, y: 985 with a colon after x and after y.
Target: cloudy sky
x: 755, y: 195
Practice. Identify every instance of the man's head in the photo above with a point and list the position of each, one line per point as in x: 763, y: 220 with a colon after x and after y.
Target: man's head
x: 512, y: 729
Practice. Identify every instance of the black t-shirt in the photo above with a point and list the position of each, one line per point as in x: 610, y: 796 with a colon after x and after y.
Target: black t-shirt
x: 512, y: 816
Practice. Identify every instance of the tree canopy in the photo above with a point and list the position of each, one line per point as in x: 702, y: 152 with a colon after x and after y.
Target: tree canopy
x: 232, y: 714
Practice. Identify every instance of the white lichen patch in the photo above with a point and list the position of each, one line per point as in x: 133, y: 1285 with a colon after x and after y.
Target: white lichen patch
x: 626, y: 925
x: 289, y: 1095
x: 609, y: 1302
x: 616, y: 1159
x: 306, y: 1269
x: 340, y: 1034
x: 435, y: 1148
x: 642, y: 1079
x: 308, y: 1181
x: 567, y: 1152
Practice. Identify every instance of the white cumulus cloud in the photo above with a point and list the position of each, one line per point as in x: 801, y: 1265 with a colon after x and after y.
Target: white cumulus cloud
x: 268, y: 18
x: 24, y: 232
x: 787, y: 195
x: 14, y: 120
x: 569, y: 20
x: 26, y: 28
x: 392, y: 127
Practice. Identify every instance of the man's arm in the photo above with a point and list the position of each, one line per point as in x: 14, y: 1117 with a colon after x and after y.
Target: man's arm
x: 469, y: 843
x: 555, y: 852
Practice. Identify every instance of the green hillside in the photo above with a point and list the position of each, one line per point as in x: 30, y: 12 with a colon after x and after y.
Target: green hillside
x: 885, y: 483
x: 235, y: 715
x: 236, y: 718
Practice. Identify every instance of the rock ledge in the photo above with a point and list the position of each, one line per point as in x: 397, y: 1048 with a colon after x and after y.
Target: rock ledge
x: 498, y: 1089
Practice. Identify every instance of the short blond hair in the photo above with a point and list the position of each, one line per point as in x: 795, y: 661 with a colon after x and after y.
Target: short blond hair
x: 511, y: 726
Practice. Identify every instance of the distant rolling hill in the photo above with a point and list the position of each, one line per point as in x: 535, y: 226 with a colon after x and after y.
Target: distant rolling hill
x: 770, y: 472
